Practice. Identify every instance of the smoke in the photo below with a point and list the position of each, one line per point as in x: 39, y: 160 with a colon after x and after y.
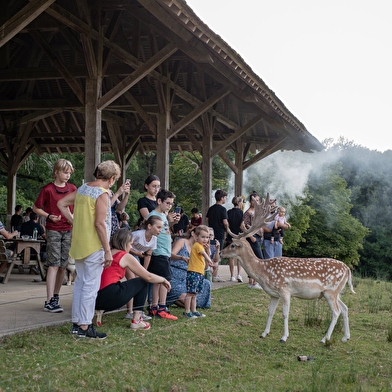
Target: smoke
x: 284, y: 175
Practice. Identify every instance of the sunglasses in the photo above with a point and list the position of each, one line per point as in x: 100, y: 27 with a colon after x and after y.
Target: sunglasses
x: 61, y: 192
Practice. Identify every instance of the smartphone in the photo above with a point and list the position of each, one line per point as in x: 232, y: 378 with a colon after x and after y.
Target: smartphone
x: 177, y: 210
x: 128, y: 181
x: 212, y: 242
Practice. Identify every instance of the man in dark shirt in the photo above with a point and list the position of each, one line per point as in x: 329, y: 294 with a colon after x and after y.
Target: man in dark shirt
x: 28, y: 227
x: 17, y: 218
x: 217, y: 219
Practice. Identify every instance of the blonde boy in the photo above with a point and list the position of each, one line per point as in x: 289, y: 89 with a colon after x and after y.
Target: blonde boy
x: 195, y: 274
x: 58, y: 231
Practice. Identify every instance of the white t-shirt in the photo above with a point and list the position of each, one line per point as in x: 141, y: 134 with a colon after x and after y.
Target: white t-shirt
x: 141, y: 244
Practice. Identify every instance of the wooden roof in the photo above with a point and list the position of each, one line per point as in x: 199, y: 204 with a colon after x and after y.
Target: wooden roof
x: 157, y: 56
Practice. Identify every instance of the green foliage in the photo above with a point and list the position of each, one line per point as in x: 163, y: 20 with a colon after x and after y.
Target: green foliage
x: 333, y: 232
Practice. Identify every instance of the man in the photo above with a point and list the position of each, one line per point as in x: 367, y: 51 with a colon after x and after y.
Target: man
x: 28, y: 227
x: 217, y: 219
x: 17, y: 218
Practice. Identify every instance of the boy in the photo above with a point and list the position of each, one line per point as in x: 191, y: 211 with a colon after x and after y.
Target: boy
x: 160, y: 259
x: 195, y: 274
x: 58, y: 231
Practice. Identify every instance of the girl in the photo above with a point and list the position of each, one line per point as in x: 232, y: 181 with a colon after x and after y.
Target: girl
x: 144, y: 242
x: 148, y: 203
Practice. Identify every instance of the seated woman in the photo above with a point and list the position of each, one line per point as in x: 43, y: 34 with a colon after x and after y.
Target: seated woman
x: 113, y: 293
x: 179, y: 266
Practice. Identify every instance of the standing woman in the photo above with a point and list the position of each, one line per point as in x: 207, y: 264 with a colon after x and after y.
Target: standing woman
x: 256, y: 240
x: 90, y: 243
x: 235, y: 217
x: 148, y: 203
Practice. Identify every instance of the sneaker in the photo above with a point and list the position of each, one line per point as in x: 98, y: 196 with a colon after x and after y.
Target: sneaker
x: 91, y: 333
x: 74, y: 329
x: 217, y: 279
x: 239, y: 278
x: 232, y: 279
x: 198, y: 314
x: 163, y: 313
x: 53, y: 306
x: 257, y: 286
x: 189, y: 315
x: 135, y: 325
x: 153, y: 311
x: 250, y: 286
x: 146, y: 317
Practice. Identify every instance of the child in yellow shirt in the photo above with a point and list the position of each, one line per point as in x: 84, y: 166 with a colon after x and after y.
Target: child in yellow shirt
x: 195, y: 274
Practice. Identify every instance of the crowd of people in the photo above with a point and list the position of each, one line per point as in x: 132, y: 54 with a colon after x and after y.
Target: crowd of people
x: 167, y: 259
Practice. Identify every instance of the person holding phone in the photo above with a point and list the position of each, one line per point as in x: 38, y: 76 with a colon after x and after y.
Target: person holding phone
x: 180, y: 228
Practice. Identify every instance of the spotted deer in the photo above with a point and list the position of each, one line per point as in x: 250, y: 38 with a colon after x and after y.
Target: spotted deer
x: 286, y: 277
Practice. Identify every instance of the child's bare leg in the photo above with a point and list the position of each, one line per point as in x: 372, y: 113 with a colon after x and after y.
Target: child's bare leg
x: 187, y: 303
x: 193, y: 303
x: 155, y: 294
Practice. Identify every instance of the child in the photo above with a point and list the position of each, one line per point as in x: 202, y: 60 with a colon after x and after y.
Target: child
x: 196, y: 218
x: 144, y: 242
x: 58, y: 231
x: 195, y: 274
x: 280, y: 223
x: 160, y: 259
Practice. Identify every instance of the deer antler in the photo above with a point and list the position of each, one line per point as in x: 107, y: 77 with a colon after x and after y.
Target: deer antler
x: 261, y: 218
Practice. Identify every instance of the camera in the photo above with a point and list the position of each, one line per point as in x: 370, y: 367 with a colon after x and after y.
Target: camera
x: 177, y: 210
x: 212, y: 242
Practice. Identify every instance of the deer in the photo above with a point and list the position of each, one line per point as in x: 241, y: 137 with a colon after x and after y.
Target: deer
x: 286, y: 277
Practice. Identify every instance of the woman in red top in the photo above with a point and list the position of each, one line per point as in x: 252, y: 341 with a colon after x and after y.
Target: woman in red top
x: 113, y: 293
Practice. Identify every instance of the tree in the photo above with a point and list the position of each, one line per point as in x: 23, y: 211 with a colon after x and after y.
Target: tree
x: 333, y: 232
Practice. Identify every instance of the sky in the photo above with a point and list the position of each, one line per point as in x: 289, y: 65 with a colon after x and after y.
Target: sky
x: 329, y: 62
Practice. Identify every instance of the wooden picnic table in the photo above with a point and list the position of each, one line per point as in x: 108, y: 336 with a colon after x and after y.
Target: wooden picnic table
x: 25, y: 246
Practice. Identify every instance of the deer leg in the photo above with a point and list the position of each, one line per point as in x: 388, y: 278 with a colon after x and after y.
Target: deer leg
x: 335, y: 309
x: 285, y: 311
x: 346, y: 327
x: 271, y: 311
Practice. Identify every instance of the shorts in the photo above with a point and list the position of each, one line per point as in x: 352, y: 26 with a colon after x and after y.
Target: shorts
x: 160, y: 265
x: 58, y: 244
x: 194, y: 282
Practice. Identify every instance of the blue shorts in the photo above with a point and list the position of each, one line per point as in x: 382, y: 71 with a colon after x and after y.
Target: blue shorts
x: 194, y: 282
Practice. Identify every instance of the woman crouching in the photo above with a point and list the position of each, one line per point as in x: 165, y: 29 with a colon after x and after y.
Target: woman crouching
x: 114, y: 293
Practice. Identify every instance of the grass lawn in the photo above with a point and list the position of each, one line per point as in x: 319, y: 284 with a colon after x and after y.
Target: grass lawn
x: 221, y: 352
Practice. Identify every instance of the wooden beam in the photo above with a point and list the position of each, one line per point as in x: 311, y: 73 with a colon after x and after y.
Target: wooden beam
x: 137, y: 75
x: 232, y: 138
x: 198, y: 111
x: 264, y: 153
x: 67, y: 75
x: 22, y: 18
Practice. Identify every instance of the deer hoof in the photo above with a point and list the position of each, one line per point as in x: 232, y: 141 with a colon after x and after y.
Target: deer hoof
x: 263, y: 335
x: 282, y: 341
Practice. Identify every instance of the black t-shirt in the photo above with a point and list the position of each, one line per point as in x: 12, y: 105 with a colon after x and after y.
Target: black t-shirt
x: 216, y: 215
x: 235, y: 218
x: 145, y: 202
x: 16, y: 222
x: 27, y: 228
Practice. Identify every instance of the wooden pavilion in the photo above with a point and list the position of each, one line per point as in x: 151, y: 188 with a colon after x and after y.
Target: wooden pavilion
x: 128, y: 76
